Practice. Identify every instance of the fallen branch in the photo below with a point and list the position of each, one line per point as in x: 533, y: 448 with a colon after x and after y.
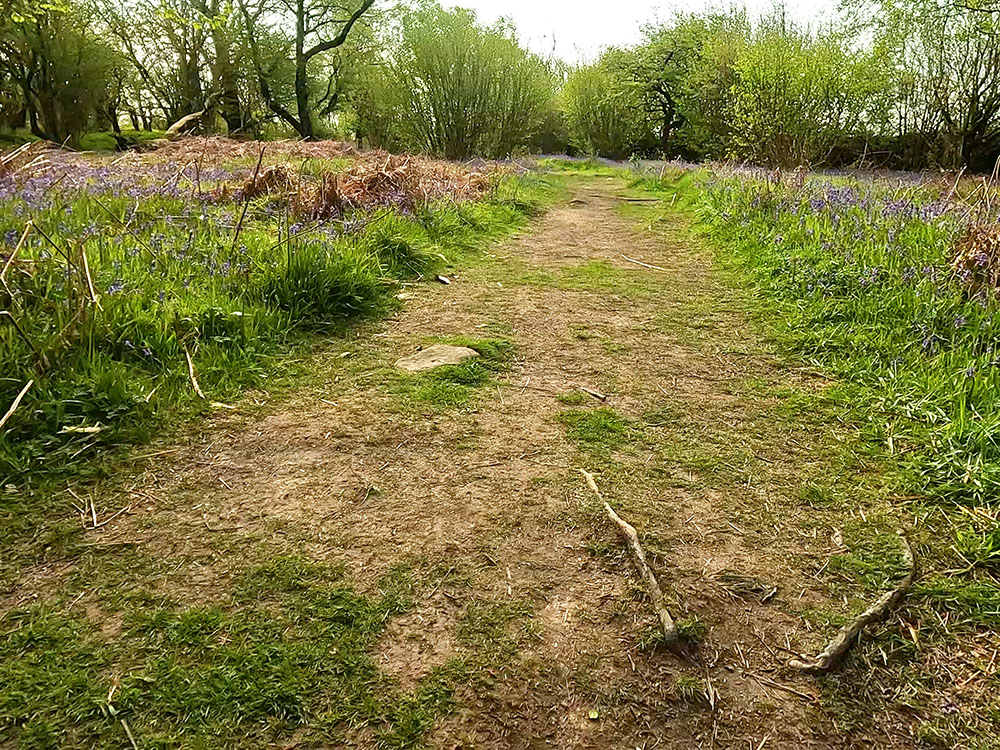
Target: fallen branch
x: 640, y: 263
x: 831, y: 656
x: 192, y: 375
x: 628, y: 532
x: 17, y: 402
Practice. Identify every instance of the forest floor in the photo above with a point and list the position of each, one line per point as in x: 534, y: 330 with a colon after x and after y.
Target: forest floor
x: 383, y: 559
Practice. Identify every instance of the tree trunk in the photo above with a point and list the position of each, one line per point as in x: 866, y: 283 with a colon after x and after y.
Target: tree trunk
x: 36, y: 130
x: 112, y: 113
x: 223, y: 70
x: 301, y: 78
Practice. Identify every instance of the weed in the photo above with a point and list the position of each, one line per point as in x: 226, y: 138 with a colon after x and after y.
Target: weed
x: 600, y: 429
x: 691, y: 690
x: 573, y: 398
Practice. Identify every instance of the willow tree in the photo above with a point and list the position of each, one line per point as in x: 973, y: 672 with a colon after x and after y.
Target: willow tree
x: 446, y: 85
x: 605, y: 113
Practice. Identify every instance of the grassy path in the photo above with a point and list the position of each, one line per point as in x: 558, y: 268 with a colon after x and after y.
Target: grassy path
x: 393, y: 560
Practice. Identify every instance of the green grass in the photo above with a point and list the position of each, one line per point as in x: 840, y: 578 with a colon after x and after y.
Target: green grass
x: 458, y: 385
x: 595, y: 275
x: 289, y: 646
x: 585, y: 167
x: 111, y: 374
x: 598, y: 430
x: 105, y: 141
x: 862, y: 292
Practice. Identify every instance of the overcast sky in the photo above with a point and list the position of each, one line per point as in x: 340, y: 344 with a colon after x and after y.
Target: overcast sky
x: 577, y: 29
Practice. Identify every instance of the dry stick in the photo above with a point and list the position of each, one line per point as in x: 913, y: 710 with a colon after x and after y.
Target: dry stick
x: 17, y: 402
x: 13, y: 321
x: 90, y: 281
x: 246, y: 200
x: 58, y: 249
x: 640, y: 263
x: 20, y: 243
x: 628, y: 532
x: 191, y: 373
x: 831, y: 656
x: 128, y: 733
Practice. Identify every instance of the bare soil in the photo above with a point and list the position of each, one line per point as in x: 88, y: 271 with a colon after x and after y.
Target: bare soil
x: 484, y: 502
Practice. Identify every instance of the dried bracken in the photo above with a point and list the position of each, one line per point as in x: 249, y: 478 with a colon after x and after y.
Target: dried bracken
x: 213, y: 148
x: 27, y: 158
x: 976, y: 259
x: 274, y: 180
x: 380, y: 179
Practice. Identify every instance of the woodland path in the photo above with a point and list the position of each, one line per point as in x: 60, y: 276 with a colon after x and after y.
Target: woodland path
x: 704, y: 443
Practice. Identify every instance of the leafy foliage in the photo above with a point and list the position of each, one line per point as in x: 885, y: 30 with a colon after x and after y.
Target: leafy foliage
x: 450, y: 86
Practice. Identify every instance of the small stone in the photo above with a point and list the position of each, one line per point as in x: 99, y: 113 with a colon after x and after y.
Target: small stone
x: 436, y: 356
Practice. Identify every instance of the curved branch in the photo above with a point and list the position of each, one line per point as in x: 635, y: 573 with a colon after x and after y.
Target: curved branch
x: 831, y: 656
x: 342, y: 36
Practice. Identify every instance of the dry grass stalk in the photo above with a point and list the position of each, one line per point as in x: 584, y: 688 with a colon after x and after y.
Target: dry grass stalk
x: 28, y: 158
x: 17, y: 402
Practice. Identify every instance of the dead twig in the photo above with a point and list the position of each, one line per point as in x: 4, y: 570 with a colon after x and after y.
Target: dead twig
x: 628, y: 532
x: 771, y: 683
x: 192, y: 375
x: 246, y: 202
x: 106, y: 521
x: 640, y: 263
x: 90, y: 280
x: 128, y: 733
x: 832, y: 656
x: 10, y: 259
x: 17, y: 402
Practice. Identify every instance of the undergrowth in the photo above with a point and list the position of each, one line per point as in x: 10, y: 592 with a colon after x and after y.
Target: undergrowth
x: 109, y: 294
x: 855, y: 276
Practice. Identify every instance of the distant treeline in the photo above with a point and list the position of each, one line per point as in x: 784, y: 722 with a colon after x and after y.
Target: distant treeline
x: 904, y: 84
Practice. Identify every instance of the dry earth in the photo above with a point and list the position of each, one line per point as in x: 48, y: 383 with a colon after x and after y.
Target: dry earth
x: 484, y: 501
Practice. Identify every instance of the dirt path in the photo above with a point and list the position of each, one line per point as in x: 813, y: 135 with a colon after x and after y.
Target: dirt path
x: 705, y: 443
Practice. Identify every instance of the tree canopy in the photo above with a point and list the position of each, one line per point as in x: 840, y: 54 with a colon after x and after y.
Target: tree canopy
x: 908, y: 84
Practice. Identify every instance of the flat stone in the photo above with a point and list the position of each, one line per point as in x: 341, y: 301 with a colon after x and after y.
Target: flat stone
x: 436, y: 356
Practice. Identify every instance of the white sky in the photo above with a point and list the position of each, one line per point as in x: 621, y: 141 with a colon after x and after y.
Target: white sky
x: 578, y: 29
